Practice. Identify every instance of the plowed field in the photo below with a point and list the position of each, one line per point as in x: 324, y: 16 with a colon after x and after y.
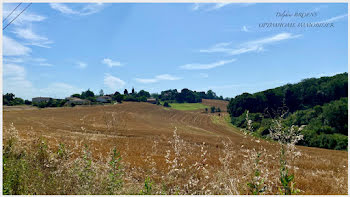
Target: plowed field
x: 141, y: 129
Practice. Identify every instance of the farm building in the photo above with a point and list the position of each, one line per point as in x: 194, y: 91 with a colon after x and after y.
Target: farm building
x: 104, y: 99
x: 77, y: 101
x: 152, y: 100
x: 40, y: 99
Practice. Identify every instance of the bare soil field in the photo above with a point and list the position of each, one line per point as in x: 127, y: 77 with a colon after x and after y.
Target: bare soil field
x: 144, y: 135
x: 216, y: 103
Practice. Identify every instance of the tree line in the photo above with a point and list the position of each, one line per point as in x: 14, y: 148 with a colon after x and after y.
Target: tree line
x: 319, y: 104
x: 186, y: 96
x: 170, y: 96
x: 303, y: 95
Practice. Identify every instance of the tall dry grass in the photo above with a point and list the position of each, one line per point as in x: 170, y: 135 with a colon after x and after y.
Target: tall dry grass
x: 34, y: 167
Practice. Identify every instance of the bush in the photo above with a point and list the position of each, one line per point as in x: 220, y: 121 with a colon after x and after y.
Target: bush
x: 166, y: 104
x: 212, y: 109
x: 38, y: 169
x: 27, y: 102
x: 118, y: 97
x: 42, y: 104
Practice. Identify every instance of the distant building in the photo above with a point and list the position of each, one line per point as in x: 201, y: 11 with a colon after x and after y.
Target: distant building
x: 152, y: 100
x: 41, y: 99
x: 77, y: 101
x: 104, y: 99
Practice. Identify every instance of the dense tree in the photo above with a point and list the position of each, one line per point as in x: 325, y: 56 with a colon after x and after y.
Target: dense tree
x: 155, y: 95
x: 118, y: 97
x: 143, y: 93
x: 211, y: 94
x: 75, y: 95
x: 11, y: 99
x: 168, y: 95
x: 87, y: 94
x: 319, y: 104
x: 27, y: 102
x: 303, y: 95
x: 101, y: 93
x: 189, y: 96
x: 8, y: 97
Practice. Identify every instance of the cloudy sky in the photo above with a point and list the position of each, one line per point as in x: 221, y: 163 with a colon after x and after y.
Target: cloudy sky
x: 60, y: 49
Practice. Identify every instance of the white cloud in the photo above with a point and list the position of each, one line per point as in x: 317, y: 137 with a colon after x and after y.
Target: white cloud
x: 216, y: 6
x: 195, y: 6
x: 167, y: 77
x: 13, y: 60
x: 163, y: 77
x: 245, y: 28
x: 246, y: 4
x: 88, y: 9
x: 208, y: 6
x: 32, y: 38
x: 203, y: 75
x: 25, y: 18
x: 110, y: 62
x: 14, y: 81
x: 219, y: 5
x: 59, y: 90
x: 38, y: 59
x: 14, y: 70
x: 247, y: 85
x: 63, y: 8
x: 334, y: 19
x: 152, y: 80
x: 28, y: 60
x: 251, y: 46
x: 272, y: 39
x: 220, y: 47
x: 13, y: 48
x: 45, y: 64
x: 81, y: 65
x: 113, y: 82
x: 206, y: 66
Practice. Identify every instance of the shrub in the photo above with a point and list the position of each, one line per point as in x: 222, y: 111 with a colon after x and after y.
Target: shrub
x: 27, y: 102
x: 212, y: 109
x: 42, y: 104
x: 166, y: 104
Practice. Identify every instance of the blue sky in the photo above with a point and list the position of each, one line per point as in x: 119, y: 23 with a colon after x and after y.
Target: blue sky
x: 60, y: 49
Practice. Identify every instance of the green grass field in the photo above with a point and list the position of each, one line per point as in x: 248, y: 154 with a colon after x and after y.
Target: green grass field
x: 187, y: 106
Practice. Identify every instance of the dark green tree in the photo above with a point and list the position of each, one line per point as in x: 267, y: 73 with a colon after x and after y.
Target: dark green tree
x: 101, y: 93
x: 143, y: 93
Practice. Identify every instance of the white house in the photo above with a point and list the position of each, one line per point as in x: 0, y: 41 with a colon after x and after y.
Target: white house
x: 40, y: 99
x: 104, y: 99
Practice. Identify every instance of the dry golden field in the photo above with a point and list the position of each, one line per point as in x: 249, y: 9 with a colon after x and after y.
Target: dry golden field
x: 162, y: 143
